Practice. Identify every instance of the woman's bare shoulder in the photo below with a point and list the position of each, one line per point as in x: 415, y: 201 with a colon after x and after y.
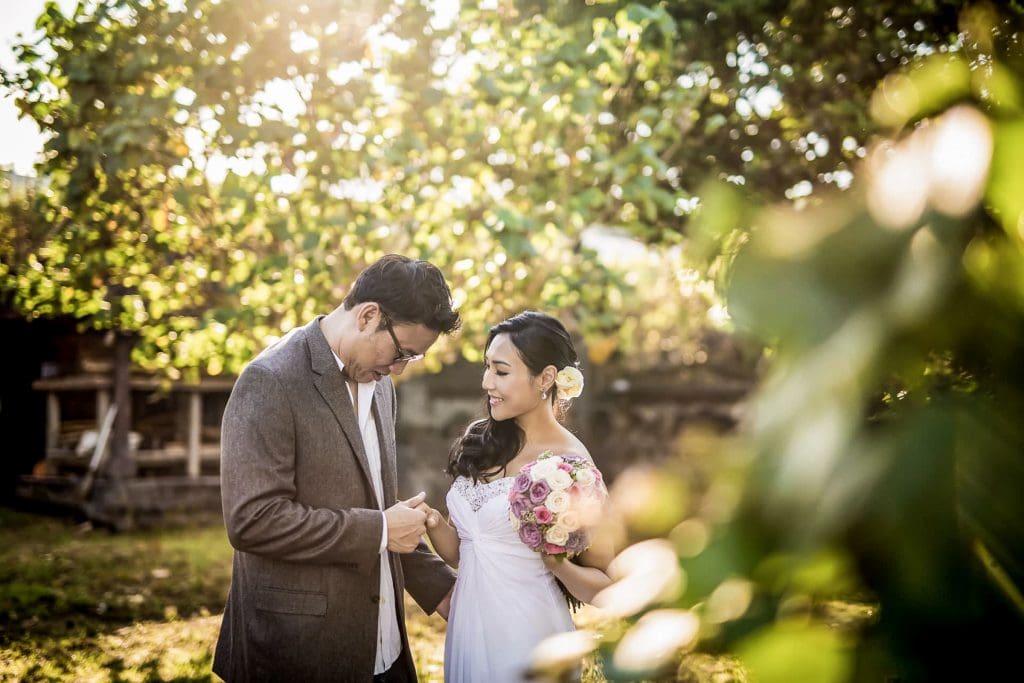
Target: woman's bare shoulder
x: 570, y: 445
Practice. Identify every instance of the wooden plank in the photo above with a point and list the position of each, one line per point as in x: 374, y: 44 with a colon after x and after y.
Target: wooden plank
x: 176, y: 454
x: 195, y: 424
x: 100, y: 453
x: 102, y: 405
x: 87, y: 382
x: 52, y: 421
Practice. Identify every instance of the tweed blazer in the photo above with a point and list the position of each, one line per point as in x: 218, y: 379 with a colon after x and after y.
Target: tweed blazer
x: 302, y: 515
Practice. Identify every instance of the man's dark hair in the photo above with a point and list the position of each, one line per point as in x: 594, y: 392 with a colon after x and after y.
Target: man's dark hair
x: 408, y: 291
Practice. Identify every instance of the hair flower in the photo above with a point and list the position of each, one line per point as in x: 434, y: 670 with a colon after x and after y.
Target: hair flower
x: 569, y: 381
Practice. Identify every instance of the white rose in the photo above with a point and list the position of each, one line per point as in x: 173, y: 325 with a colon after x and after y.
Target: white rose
x: 543, y: 469
x: 515, y: 521
x: 569, y: 381
x: 585, y: 476
x: 570, y: 519
x: 559, y: 480
x: 557, y: 534
x: 558, y: 501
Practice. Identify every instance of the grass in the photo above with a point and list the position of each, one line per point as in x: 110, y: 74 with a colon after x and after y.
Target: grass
x: 78, y: 603
x: 85, y: 604
x: 82, y: 603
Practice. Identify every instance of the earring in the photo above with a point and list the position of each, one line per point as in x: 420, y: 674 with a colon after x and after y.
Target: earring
x: 543, y: 395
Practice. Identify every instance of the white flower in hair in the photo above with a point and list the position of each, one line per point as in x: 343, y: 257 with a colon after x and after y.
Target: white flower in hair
x: 569, y: 381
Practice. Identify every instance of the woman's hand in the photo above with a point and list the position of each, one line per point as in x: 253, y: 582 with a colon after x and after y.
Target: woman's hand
x: 433, y: 516
x: 552, y: 563
x: 442, y: 535
x: 584, y: 577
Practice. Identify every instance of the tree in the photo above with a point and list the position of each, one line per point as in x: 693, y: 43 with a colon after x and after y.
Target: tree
x: 217, y: 175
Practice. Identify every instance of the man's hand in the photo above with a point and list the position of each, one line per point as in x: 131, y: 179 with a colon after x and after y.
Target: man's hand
x: 445, y: 606
x: 405, y: 524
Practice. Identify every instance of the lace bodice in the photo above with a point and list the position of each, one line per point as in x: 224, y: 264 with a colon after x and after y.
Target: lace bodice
x: 478, y: 494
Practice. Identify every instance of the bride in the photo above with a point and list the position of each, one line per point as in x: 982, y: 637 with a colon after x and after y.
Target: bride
x: 506, y: 598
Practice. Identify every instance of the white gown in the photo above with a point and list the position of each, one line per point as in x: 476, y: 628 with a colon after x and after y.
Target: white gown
x: 505, y: 601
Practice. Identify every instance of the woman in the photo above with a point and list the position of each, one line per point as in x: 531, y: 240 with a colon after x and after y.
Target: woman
x: 506, y: 597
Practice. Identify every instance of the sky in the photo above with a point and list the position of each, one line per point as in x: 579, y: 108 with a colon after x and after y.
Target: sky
x: 20, y: 140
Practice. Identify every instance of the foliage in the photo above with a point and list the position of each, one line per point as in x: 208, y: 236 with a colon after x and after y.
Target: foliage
x: 881, y: 455
x: 19, y: 231
x: 216, y: 176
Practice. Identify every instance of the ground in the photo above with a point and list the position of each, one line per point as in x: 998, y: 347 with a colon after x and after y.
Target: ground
x: 85, y: 604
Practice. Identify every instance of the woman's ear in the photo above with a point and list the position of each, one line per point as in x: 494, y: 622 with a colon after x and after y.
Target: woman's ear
x: 547, y: 377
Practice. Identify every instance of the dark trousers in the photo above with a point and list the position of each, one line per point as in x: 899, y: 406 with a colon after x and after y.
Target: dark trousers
x: 398, y: 673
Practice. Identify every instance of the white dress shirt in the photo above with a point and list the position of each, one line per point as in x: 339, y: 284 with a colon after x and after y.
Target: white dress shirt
x: 389, y: 638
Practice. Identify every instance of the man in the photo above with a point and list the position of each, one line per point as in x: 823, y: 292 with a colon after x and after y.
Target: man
x: 323, y: 547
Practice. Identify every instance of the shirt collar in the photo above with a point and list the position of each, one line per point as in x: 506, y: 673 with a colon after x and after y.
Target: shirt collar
x: 366, y: 391
x: 341, y: 366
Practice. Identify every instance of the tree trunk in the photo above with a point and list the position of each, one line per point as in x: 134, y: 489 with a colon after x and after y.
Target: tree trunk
x: 122, y: 463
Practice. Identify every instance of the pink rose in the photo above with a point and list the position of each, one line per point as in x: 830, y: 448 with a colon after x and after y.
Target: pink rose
x: 542, y: 514
x: 552, y: 549
x: 565, y: 467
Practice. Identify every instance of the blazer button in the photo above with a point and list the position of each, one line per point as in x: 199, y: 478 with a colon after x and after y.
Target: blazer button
x: 375, y: 599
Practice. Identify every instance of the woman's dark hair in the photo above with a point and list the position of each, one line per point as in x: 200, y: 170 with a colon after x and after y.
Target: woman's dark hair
x: 488, y: 444
x: 408, y: 291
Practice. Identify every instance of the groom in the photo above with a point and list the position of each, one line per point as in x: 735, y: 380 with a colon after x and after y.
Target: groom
x: 323, y: 546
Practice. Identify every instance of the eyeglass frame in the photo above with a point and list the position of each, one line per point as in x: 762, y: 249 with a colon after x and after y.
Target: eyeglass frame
x: 401, y: 355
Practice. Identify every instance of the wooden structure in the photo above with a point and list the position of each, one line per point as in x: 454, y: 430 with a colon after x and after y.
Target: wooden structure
x: 175, y: 471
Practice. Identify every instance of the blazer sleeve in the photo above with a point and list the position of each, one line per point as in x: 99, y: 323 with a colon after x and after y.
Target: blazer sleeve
x: 427, y: 578
x: 261, y: 514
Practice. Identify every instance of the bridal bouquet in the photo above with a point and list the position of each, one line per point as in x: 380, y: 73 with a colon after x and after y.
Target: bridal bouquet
x: 552, y: 502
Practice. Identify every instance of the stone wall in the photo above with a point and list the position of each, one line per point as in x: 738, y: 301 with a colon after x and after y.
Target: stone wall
x: 623, y: 417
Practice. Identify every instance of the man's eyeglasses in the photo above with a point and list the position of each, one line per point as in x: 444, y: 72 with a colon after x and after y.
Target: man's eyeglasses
x: 401, y: 355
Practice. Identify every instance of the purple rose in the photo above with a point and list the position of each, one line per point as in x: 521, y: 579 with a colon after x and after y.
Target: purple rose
x: 522, y: 483
x: 539, y: 490
x: 519, y: 506
x: 530, y: 535
x: 577, y: 542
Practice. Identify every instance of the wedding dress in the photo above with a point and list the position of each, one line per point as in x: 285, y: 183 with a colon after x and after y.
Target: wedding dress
x: 506, y: 601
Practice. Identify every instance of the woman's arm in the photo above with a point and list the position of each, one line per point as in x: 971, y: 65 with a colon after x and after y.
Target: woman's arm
x: 443, y: 536
x: 587, y: 578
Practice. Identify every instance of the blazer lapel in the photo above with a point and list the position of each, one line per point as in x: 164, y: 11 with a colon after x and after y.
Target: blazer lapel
x: 330, y: 383
x: 382, y: 410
